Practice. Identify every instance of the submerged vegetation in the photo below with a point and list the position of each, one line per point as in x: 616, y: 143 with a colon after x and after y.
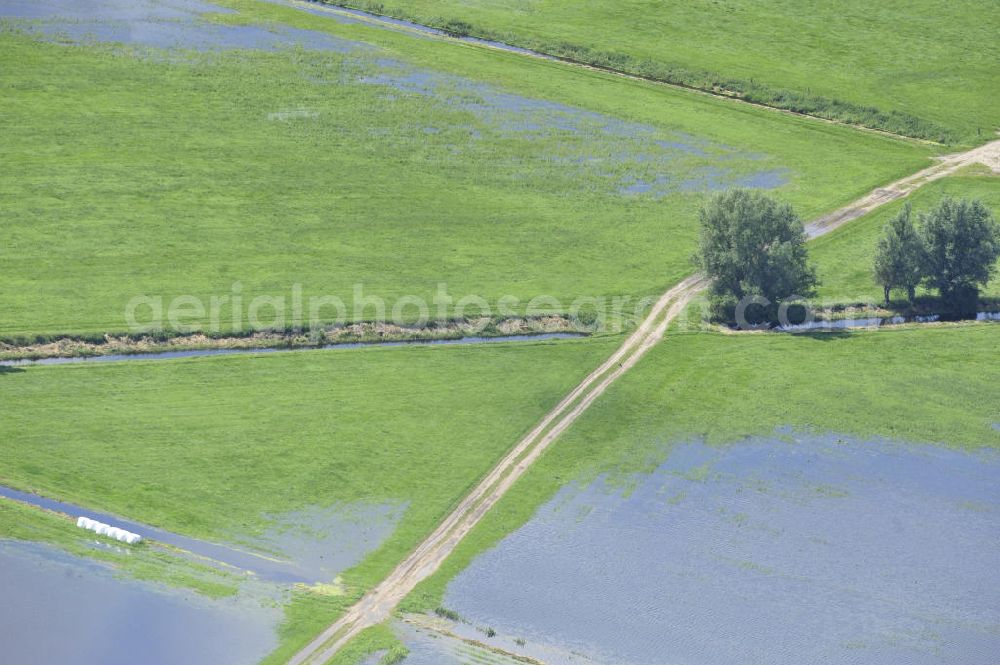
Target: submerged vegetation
x: 146, y: 562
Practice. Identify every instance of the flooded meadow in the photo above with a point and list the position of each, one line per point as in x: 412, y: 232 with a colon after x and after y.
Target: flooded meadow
x: 802, y: 548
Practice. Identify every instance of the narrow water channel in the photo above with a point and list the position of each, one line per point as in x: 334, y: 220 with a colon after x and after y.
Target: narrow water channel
x: 875, y: 322
x: 198, y: 353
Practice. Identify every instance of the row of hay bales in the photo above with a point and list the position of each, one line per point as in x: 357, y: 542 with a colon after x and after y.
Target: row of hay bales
x: 103, y: 529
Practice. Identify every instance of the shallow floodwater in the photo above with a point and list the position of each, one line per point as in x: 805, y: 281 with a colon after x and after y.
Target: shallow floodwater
x: 429, y: 648
x: 825, y: 549
x: 57, y: 608
x: 324, y: 542
x: 594, y: 151
x: 307, y: 546
x: 157, y: 24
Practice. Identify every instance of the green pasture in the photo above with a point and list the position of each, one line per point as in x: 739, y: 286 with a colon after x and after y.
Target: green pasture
x: 925, y: 67
x: 844, y: 258
x: 128, y: 172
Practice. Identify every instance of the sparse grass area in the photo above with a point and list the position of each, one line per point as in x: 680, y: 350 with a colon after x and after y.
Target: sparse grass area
x: 210, y: 447
x: 922, y: 68
x: 931, y: 384
x: 844, y: 257
x: 276, y: 168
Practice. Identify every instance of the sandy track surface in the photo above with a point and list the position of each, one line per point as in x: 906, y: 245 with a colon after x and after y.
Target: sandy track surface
x: 378, y: 604
x: 988, y: 155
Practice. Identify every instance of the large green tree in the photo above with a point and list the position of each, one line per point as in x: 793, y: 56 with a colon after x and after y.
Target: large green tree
x: 962, y: 241
x: 900, y: 257
x: 753, y: 247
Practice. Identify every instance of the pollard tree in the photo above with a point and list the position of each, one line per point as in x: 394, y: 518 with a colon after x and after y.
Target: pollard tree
x: 753, y: 246
x: 900, y: 256
x: 963, y: 244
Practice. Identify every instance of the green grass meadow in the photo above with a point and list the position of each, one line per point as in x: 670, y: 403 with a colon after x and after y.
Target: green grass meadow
x: 270, y: 169
x: 844, y: 257
x: 930, y: 59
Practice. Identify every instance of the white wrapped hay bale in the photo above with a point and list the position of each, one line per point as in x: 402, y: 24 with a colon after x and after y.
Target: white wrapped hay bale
x: 101, y: 529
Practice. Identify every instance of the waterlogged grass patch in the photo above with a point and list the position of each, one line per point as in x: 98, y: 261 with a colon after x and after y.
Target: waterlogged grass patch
x: 337, y: 588
x: 501, y: 175
x: 148, y: 562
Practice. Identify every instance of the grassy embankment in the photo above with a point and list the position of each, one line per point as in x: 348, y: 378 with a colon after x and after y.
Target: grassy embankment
x: 930, y: 384
x: 257, y: 168
x: 844, y: 257
x: 922, y: 69
x: 211, y: 447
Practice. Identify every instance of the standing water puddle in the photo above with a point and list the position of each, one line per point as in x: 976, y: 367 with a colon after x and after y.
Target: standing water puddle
x: 63, y: 609
x: 158, y: 24
x: 825, y: 550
